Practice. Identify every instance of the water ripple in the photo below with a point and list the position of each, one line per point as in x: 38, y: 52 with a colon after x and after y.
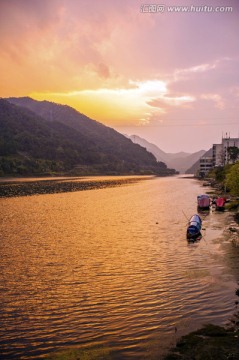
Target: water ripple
x: 108, y: 267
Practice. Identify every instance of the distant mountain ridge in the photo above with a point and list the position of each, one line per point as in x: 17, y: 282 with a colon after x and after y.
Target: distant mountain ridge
x: 179, y: 161
x: 196, y: 166
x: 44, y: 137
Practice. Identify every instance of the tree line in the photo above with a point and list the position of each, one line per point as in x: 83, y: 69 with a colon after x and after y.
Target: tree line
x: 69, y: 144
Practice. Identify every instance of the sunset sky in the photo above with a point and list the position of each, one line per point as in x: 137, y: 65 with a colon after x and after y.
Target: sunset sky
x: 171, y: 77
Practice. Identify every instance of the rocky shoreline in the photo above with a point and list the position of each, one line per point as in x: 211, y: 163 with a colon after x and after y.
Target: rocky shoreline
x: 233, y: 229
x: 54, y: 186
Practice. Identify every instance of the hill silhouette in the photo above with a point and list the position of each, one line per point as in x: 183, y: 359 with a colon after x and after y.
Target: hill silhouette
x: 47, y: 138
x: 180, y: 161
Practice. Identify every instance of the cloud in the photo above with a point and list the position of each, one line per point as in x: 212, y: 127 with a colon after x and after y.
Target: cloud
x: 120, y: 65
x: 214, y: 84
x: 168, y: 101
x: 103, y: 70
x: 85, y: 43
x: 217, y: 99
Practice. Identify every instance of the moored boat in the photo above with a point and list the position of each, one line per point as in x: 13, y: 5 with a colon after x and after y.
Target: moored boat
x: 194, y: 228
x: 203, y: 202
x: 220, y: 204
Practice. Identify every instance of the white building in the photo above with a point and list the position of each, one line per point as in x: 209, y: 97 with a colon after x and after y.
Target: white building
x: 221, y: 155
x: 206, y: 163
x: 217, y: 155
x: 226, y: 143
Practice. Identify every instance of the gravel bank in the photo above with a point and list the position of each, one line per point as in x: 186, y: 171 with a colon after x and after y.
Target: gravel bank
x: 28, y: 188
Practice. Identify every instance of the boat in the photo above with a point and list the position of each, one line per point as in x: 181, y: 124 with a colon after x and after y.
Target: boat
x: 194, y: 228
x: 203, y: 202
x: 220, y: 204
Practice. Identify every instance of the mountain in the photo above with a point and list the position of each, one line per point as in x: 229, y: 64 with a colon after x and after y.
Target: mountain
x: 196, y: 166
x: 40, y: 137
x: 183, y: 162
x: 180, y: 161
x: 157, y: 152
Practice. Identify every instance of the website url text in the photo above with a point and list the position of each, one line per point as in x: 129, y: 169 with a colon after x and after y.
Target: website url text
x: 160, y: 8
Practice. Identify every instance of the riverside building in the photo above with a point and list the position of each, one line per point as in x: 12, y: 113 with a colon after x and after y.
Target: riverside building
x: 221, y: 155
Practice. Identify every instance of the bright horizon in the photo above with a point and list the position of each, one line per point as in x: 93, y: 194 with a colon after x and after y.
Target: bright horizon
x: 170, y: 77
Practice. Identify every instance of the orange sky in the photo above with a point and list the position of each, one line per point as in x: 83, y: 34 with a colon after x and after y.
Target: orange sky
x: 170, y: 77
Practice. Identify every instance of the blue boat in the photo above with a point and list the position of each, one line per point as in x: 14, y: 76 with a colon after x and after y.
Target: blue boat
x: 194, y: 227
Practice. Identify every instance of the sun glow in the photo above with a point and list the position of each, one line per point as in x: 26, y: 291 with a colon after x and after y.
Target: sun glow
x: 112, y: 106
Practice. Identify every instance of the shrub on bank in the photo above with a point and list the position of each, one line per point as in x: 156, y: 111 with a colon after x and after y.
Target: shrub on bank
x: 209, y: 343
x: 233, y: 205
x: 232, y: 179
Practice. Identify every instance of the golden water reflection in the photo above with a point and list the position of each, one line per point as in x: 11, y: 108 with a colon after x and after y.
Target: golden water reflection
x: 109, y: 266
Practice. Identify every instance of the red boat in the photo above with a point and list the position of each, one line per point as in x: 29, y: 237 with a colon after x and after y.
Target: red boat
x: 220, y: 204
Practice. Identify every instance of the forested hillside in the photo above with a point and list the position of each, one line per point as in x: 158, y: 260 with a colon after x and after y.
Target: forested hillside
x: 56, y: 139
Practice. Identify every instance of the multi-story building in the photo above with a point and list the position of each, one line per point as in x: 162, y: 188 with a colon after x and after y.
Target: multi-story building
x: 220, y: 155
x: 229, y: 143
x: 217, y: 154
x: 206, y: 163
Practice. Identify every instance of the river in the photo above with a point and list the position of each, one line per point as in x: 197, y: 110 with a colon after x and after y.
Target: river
x: 111, y: 268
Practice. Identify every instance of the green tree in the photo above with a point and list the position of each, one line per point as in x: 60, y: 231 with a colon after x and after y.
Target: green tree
x: 232, y: 179
x: 218, y: 174
x: 233, y: 153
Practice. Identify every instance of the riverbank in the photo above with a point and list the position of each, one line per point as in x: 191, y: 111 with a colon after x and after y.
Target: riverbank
x: 31, y: 186
x: 214, y: 342
x: 209, y: 343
